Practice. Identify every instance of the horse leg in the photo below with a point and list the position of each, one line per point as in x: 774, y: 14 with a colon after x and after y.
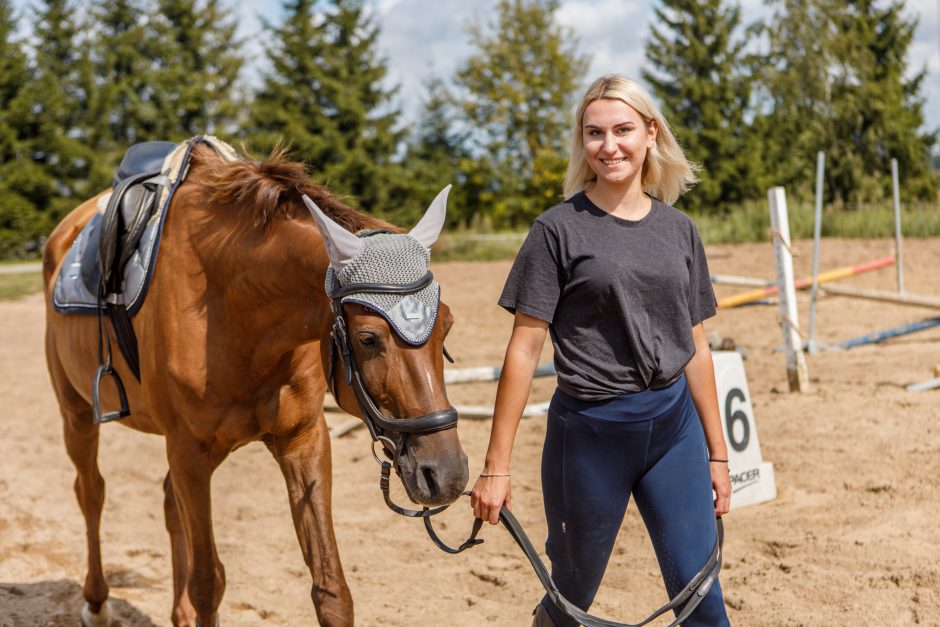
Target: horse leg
x: 191, y: 467
x: 81, y: 442
x: 183, y: 611
x: 304, y: 458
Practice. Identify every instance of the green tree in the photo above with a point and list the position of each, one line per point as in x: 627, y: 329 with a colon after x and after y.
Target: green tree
x: 697, y: 59
x: 197, y: 64
x: 876, y: 111
x: 517, y: 90
x: 21, y: 181
x: 122, y: 112
x: 434, y: 158
x: 51, y: 113
x: 835, y: 81
x: 325, y: 96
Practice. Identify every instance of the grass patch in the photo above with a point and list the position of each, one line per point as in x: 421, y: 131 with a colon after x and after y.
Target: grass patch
x: 469, y: 246
x: 16, y: 285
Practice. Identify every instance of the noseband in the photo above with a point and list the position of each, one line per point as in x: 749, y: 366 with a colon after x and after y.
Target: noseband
x: 391, y: 432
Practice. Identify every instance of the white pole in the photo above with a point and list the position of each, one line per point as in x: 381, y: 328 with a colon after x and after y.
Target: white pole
x: 899, y: 257
x: 817, y: 235
x: 797, y: 373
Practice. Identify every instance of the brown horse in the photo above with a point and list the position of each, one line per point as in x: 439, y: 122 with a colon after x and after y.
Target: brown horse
x: 234, y: 344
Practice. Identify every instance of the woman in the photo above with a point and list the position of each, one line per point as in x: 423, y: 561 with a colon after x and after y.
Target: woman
x: 619, y: 279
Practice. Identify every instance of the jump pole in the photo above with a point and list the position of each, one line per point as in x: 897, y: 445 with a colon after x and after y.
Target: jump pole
x: 897, y: 223
x: 825, y: 277
x: 817, y: 236
x: 887, y: 334
x: 797, y: 373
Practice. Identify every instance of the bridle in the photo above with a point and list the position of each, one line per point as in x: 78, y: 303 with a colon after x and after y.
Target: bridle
x: 393, y: 433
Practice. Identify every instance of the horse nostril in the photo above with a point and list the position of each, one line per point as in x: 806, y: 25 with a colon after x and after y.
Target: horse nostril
x: 430, y: 481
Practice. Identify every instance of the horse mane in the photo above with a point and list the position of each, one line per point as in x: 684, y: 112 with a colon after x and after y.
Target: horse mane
x: 270, y: 189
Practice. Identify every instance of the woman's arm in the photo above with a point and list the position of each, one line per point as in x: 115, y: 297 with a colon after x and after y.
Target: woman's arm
x: 490, y: 493
x: 700, y: 374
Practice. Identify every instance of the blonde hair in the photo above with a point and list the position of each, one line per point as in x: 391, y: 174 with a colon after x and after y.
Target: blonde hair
x: 666, y: 172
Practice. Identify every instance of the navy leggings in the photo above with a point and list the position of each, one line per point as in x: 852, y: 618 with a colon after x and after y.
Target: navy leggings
x: 596, y: 454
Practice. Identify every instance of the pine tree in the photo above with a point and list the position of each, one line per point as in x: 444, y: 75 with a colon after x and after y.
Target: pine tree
x: 121, y: 108
x: 324, y: 95
x: 51, y: 113
x: 197, y: 66
x: 434, y: 157
x: 21, y: 181
x: 517, y: 91
x: 835, y: 82
x: 876, y: 111
x: 696, y: 56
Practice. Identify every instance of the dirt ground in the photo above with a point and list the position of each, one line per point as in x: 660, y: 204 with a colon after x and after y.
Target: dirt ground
x: 852, y: 537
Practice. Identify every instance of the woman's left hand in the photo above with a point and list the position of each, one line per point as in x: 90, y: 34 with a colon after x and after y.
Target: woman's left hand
x: 721, y: 484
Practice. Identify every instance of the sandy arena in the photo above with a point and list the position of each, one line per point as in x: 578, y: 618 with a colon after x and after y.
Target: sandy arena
x: 851, y: 539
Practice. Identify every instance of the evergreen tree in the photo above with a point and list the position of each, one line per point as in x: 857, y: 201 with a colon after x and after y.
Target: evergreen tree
x: 51, y: 113
x: 197, y: 65
x: 876, y: 111
x: 19, y: 177
x: 324, y: 95
x: 696, y: 58
x: 122, y: 111
x: 517, y: 91
x: 836, y: 82
x: 435, y: 155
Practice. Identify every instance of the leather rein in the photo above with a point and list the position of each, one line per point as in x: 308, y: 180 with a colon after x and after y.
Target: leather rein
x: 393, y: 433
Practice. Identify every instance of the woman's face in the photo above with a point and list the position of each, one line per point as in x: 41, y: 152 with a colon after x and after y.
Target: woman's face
x: 616, y: 139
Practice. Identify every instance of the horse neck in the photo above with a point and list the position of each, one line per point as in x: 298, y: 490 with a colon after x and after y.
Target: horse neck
x: 266, y: 286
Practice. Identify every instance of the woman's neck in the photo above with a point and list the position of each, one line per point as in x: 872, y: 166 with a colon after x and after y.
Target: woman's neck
x: 627, y: 202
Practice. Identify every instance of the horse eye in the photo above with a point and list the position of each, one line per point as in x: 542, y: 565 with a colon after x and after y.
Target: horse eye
x: 367, y: 339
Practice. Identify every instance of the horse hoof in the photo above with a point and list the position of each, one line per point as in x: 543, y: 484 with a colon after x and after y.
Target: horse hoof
x: 218, y: 622
x: 101, y: 619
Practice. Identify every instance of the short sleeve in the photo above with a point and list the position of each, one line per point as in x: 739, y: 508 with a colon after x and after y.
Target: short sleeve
x: 702, y: 302
x: 535, y: 280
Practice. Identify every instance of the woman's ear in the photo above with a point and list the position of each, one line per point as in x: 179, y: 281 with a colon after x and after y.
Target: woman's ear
x: 652, y: 130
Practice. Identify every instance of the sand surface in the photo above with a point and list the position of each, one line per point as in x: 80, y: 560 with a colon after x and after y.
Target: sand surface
x: 852, y: 537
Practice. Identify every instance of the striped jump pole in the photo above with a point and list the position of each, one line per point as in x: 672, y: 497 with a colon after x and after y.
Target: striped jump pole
x: 825, y: 277
x: 887, y: 334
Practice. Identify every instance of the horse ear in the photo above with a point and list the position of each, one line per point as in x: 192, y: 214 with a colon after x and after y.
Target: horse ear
x: 428, y: 229
x: 341, y: 245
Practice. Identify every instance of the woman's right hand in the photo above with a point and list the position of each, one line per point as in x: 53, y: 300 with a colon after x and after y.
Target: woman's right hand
x: 489, y: 495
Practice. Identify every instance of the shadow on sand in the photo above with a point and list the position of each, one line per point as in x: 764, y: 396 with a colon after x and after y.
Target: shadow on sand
x: 57, y: 603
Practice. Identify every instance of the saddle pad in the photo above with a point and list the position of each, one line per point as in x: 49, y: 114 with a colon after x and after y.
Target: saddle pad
x: 72, y: 296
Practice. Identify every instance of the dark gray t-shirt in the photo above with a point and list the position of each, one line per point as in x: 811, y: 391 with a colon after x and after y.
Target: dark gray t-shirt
x: 620, y: 296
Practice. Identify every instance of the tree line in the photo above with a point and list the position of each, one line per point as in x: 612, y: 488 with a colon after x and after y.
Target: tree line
x: 751, y: 103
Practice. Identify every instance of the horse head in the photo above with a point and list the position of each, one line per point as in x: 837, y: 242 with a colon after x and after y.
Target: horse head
x: 386, y: 361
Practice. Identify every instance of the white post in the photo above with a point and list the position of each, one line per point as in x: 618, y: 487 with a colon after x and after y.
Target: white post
x: 797, y: 373
x: 899, y: 258
x: 817, y: 234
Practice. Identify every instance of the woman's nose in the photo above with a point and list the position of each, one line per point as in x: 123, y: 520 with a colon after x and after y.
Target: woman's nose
x: 610, y: 144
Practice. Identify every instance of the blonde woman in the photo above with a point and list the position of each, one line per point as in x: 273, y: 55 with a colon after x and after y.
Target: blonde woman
x: 619, y: 279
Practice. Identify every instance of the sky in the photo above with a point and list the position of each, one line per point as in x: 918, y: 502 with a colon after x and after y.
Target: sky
x: 426, y: 38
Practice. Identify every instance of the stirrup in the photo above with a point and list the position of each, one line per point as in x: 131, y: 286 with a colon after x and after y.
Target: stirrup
x: 123, y: 412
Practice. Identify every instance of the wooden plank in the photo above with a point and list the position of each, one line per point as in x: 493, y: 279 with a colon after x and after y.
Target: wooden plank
x: 797, y: 372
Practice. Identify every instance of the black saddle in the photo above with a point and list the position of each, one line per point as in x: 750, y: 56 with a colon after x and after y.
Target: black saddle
x: 112, y: 239
x: 113, y: 235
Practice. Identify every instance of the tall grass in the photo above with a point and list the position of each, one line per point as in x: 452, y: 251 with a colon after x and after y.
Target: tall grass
x: 750, y: 222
